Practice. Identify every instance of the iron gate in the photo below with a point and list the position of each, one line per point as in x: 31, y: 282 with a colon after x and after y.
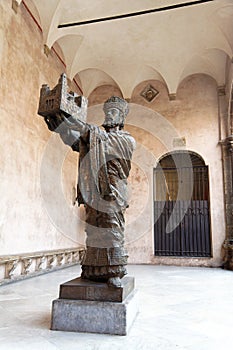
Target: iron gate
x: 181, y: 212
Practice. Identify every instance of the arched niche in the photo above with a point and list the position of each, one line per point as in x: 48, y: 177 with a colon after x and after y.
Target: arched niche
x: 197, y: 87
x: 102, y: 93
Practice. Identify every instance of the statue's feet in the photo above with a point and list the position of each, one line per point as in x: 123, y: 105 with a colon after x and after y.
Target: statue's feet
x: 114, y: 282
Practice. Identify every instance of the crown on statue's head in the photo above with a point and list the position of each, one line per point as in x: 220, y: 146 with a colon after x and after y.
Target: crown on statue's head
x: 117, y: 102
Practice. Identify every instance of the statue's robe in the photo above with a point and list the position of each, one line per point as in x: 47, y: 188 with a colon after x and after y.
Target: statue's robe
x: 104, y: 166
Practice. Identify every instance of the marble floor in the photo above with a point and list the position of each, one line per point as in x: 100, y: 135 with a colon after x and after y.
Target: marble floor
x: 180, y: 308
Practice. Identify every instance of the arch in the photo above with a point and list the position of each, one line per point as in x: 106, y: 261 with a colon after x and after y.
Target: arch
x: 100, y: 94
x: 93, y: 78
x: 201, y: 91
x: 210, y: 62
x: 56, y: 48
x: 195, y: 158
x: 187, y: 188
x: 69, y: 45
x: 149, y: 73
x: 31, y: 6
x: 49, y: 21
x: 223, y: 18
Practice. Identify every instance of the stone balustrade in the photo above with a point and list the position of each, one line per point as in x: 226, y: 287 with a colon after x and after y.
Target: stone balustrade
x: 21, y: 266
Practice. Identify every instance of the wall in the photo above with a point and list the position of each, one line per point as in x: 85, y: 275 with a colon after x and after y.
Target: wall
x: 159, y: 127
x: 31, y: 218
x: 194, y: 116
x: 38, y: 172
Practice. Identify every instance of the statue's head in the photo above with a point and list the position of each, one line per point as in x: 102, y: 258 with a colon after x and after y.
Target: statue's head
x: 116, y: 110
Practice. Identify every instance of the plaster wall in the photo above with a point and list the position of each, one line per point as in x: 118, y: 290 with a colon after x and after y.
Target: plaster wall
x: 32, y: 218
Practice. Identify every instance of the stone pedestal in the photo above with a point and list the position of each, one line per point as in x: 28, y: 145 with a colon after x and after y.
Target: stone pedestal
x: 86, y: 306
x: 80, y: 289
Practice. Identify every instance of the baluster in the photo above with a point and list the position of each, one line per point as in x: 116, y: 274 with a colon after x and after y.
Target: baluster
x: 60, y: 259
x: 51, y: 261
x: 39, y: 263
x: 80, y: 255
x: 26, y: 264
x: 10, y: 268
x: 69, y: 258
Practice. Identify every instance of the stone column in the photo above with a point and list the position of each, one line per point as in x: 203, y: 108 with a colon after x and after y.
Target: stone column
x: 228, y: 192
x: 226, y: 126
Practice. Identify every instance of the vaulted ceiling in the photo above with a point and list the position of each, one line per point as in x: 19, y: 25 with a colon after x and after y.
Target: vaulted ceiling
x: 182, y: 38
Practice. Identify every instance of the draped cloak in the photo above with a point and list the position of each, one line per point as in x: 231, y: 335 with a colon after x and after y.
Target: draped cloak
x: 104, y: 166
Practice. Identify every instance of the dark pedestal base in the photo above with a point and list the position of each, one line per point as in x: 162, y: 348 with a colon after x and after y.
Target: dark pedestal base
x: 82, y: 289
x: 86, y: 306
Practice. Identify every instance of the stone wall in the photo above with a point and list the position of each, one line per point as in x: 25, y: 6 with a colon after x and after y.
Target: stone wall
x: 31, y: 218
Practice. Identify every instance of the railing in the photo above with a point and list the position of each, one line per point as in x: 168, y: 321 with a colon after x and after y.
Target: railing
x: 21, y: 266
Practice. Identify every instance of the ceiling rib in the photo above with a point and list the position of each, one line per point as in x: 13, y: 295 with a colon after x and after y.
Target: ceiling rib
x: 133, y: 14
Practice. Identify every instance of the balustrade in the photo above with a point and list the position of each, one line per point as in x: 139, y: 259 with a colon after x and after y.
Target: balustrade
x: 22, y: 266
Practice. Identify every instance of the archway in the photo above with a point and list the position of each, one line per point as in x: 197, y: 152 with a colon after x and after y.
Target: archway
x: 181, y: 206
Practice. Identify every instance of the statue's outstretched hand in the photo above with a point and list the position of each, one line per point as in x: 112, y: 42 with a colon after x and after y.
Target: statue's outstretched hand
x: 60, y: 122
x: 54, y: 122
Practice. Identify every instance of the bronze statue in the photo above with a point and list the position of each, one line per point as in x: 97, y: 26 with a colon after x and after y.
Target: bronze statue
x: 104, y: 166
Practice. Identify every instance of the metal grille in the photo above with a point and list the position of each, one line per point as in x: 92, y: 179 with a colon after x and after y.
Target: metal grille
x: 181, y: 212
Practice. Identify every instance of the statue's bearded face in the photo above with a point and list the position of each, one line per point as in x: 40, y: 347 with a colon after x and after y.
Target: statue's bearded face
x: 113, y: 117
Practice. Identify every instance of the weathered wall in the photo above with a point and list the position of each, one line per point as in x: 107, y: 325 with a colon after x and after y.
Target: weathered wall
x: 28, y: 221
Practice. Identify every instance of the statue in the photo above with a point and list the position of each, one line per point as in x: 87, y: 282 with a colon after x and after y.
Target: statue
x: 104, y: 164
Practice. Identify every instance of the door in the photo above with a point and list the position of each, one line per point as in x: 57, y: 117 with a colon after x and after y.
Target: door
x: 181, y: 206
